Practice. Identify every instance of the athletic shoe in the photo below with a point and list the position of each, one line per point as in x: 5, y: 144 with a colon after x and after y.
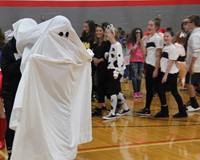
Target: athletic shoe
x: 180, y: 115
x: 155, y: 94
x: 123, y: 112
x: 109, y: 116
x: 144, y: 112
x: 9, y: 154
x: 135, y: 95
x: 139, y: 94
x: 103, y: 107
x: 191, y: 109
x: 97, y: 112
x: 162, y: 115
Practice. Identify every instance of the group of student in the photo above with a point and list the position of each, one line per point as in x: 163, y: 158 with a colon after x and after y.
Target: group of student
x: 107, y: 66
x: 162, y: 56
x: 163, y: 60
x: 157, y: 53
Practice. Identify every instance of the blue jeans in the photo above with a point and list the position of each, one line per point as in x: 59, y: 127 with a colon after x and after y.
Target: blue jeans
x: 136, y: 69
x: 126, y: 72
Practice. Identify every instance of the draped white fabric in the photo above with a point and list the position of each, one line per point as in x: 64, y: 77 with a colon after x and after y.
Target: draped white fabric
x: 52, y: 109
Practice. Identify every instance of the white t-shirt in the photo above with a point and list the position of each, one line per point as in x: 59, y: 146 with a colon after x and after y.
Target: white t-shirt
x: 169, y: 52
x: 152, y: 43
x: 193, y: 49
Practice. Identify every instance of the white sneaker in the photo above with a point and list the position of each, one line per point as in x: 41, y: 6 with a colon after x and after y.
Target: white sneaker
x: 191, y: 109
x: 109, y: 116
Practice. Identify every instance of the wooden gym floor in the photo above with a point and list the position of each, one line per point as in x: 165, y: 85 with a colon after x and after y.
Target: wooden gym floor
x: 143, y: 138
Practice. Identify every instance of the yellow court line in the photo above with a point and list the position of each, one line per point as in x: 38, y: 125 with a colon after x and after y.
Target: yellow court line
x: 137, y: 146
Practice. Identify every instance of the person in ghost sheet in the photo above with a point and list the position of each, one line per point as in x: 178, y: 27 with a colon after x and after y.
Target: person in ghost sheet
x: 115, y: 71
x: 52, y: 109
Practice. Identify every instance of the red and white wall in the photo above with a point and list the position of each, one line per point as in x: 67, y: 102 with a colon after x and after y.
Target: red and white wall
x: 122, y: 13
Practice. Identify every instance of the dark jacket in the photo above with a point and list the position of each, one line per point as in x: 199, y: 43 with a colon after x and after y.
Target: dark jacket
x: 10, y: 67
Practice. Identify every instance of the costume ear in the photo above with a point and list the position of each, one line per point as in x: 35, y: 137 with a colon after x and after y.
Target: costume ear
x: 67, y: 34
x: 61, y: 34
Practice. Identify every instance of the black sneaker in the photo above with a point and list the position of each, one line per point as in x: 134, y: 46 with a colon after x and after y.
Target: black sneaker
x: 180, y: 115
x: 123, y: 112
x: 9, y: 151
x: 97, y: 112
x: 155, y: 94
x: 162, y: 115
x: 109, y: 116
x: 144, y: 112
x: 103, y: 107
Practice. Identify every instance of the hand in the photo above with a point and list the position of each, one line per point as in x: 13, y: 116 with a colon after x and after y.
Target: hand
x: 115, y: 75
x: 164, y: 79
x: 191, y: 70
x: 90, y: 52
x: 106, y: 55
x: 155, y: 73
x: 138, y: 38
x: 141, y: 41
x: 144, y: 38
x: 95, y: 61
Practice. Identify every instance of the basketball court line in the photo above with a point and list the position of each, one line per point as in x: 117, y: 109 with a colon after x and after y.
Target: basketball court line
x: 145, y: 144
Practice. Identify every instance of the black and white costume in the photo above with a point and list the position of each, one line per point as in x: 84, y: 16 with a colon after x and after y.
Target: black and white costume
x: 115, y: 71
x: 116, y: 59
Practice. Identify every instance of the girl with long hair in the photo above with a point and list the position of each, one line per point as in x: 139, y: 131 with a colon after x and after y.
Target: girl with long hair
x: 100, y: 47
x: 168, y: 77
x: 137, y: 51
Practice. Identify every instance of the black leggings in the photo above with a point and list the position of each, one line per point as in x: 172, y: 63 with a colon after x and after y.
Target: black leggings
x: 171, y: 84
x: 151, y: 84
x: 101, y: 87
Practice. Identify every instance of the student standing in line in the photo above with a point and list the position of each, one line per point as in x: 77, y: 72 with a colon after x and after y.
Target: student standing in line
x: 100, y: 47
x: 88, y: 33
x: 115, y: 71
x: 126, y: 53
x: 137, y: 51
x: 168, y: 77
x: 181, y: 36
x: 181, y: 39
x: 154, y: 45
x: 188, y: 32
x: 193, y: 61
x: 87, y: 37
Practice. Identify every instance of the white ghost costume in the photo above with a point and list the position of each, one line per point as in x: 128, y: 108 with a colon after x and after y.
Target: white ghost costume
x: 52, y: 108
